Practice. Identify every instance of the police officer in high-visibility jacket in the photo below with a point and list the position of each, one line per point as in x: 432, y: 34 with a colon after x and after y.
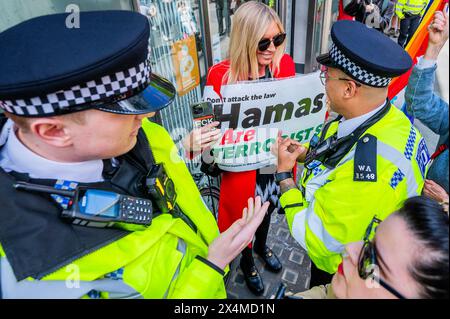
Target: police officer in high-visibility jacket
x: 91, y: 204
x: 410, y: 13
x: 366, y: 162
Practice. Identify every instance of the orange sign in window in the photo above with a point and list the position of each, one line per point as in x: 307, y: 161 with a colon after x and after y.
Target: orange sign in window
x: 185, y: 62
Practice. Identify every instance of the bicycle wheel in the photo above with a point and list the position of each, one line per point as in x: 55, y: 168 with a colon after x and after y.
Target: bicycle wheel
x: 210, y: 195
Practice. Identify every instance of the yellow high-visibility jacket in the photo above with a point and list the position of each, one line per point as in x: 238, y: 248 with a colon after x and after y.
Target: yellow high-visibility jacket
x: 413, y: 7
x: 155, y: 262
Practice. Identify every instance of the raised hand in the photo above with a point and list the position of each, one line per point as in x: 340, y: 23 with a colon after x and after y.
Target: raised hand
x: 438, y: 34
x: 230, y: 243
x: 435, y: 191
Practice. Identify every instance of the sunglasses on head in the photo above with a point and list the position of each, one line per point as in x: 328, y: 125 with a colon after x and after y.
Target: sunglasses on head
x: 277, y: 40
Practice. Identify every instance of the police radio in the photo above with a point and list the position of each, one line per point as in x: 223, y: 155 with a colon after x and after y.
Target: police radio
x: 162, y: 191
x: 203, y: 114
x: 98, y: 208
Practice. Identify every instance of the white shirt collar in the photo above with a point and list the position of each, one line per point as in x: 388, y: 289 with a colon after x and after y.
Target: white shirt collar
x: 346, y: 127
x: 14, y: 156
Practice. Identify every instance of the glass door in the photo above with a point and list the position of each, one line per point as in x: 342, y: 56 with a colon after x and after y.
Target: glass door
x: 321, y: 16
x: 220, y: 14
x: 177, y: 54
x: 219, y: 17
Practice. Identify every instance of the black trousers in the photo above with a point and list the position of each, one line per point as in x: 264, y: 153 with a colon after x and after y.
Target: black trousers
x: 239, y: 2
x: 408, y: 27
x: 319, y: 277
x: 223, y: 11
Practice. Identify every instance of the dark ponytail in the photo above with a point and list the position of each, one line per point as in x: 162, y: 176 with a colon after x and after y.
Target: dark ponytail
x: 428, y: 222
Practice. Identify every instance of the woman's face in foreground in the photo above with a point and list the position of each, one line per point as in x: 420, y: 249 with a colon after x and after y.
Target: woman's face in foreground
x: 396, y: 249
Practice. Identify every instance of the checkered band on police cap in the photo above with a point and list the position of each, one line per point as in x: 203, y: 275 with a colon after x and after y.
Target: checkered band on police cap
x: 358, y: 73
x: 96, y: 90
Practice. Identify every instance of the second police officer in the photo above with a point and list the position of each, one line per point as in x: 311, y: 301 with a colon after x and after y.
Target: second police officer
x: 365, y: 163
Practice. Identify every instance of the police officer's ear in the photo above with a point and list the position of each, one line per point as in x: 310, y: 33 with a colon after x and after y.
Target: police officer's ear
x: 351, y: 89
x: 51, y: 130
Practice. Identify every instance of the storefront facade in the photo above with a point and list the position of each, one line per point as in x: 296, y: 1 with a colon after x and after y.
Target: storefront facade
x: 187, y: 38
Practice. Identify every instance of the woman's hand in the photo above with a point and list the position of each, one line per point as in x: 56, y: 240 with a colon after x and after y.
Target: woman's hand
x: 435, y: 191
x: 230, y: 243
x: 202, y: 138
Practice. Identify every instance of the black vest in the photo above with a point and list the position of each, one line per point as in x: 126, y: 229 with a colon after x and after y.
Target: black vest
x: 37, y: 242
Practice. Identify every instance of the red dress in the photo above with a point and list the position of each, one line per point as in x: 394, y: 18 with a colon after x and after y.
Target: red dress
x: 237, y: 187
x: 342, y: 14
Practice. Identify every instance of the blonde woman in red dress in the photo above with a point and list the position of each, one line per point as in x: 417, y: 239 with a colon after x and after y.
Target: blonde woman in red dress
x: 257, y: 51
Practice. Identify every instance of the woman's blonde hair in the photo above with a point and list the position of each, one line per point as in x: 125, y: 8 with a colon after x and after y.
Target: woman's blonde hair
x: 250, y: 23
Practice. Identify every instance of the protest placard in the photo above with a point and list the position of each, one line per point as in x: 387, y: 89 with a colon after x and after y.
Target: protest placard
x: 252, y: 113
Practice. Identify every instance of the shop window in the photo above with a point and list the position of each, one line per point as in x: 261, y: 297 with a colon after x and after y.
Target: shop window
x: 177, y: 54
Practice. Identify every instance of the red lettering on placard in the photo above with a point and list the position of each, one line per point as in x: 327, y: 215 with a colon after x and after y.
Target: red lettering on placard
x: 249, y: 135
x: 227, y: 137
x: 238, y: 137
x: 231, y: 137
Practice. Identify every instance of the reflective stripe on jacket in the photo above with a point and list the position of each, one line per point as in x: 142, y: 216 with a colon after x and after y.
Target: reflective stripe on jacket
x: 335, y: 210
x: 432, y: 111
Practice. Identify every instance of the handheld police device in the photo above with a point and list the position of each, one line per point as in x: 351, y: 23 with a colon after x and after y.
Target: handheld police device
x: 203, y: 114
x: 98, y: 208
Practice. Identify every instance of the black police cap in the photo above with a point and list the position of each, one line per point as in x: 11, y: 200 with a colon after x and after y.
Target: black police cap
x: 365, y: 54
x: 48, y: 68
